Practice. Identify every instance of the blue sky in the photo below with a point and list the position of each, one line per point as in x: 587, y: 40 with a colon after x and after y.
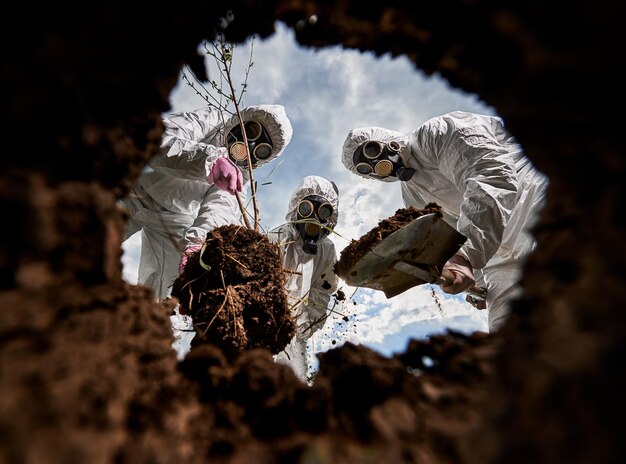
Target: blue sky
x: 326, y: 93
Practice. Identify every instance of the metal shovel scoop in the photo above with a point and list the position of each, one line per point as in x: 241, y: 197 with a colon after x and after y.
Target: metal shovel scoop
x: 412, y: 255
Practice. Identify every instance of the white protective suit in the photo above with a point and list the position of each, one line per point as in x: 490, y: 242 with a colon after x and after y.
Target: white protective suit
x: 174, y: 204
x: 488, y: 189
x: 311, y: 278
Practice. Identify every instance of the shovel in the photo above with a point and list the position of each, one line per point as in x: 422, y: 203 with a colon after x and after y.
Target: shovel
x: 412, y: 255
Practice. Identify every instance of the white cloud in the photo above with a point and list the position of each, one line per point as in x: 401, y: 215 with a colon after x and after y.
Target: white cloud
x: 130, y: 258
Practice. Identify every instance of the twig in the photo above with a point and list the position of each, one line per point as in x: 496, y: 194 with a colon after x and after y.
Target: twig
x: 243, y: 210
x: 249, y: 161
x: 222, y: 52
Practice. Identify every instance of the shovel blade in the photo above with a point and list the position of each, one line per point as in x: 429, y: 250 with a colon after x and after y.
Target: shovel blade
x: 427, y: 242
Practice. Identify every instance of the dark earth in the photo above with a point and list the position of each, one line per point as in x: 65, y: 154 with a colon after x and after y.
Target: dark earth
x: 87, y: 372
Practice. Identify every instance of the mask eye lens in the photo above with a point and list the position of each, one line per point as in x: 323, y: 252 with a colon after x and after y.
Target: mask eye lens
x: 325, y: 211
x: 253, y: 130
x: 372, y: 149
x: 262, y: 151
x: 305, y: 208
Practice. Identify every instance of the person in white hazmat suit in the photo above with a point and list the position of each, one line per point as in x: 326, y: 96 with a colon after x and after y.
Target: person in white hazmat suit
x: 189, y: 188
x: 309, y: 258
x: 488, y: 190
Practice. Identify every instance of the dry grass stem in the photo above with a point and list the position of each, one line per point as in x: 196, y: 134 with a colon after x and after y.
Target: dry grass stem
x: 289, y: 271
x: 235, y: 260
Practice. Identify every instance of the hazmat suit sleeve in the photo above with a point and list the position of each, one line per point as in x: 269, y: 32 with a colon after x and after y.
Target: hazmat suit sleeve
x: 218, y: 208
x: 469, y: 151
x: 323, y: 284
x: 185, y: 152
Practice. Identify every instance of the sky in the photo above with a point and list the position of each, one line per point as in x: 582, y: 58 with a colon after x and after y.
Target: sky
x: 327, y: 92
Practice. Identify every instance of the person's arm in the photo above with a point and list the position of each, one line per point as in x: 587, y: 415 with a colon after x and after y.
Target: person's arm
x: 184, y: 152
x: 483, y: 170
x: 188, y: 160
x: 218, y: 208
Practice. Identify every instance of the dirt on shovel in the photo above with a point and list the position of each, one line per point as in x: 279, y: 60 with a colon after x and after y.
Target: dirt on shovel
x: 356, y: 249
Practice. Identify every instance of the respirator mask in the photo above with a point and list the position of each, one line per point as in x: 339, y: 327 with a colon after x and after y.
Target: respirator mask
x: 312, y: 221
x: 259, y: 143
x: 382, y: 160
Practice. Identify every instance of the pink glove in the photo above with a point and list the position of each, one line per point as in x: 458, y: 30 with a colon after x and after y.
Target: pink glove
x: 458, y: 275
x: 188, y: 252
x: 227, y: 176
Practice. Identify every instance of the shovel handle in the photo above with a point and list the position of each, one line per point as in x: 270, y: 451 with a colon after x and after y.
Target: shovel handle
x: 447, y: 277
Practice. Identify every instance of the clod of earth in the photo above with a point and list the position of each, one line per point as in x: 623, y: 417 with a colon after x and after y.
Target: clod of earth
x: 356, y: 249
x: 235, y: 292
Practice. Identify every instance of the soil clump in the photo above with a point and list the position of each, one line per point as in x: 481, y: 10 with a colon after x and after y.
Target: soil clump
x: 234, y: 290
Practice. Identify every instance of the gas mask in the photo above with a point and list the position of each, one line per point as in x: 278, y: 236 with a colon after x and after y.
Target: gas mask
x: 312, y: 216
x: 259, y: 143
x: 381, y: 160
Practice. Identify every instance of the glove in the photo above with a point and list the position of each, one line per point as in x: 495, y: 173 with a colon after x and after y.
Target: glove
x: 227, y: 176
x: 458, y: 275
x: 188, y: 251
